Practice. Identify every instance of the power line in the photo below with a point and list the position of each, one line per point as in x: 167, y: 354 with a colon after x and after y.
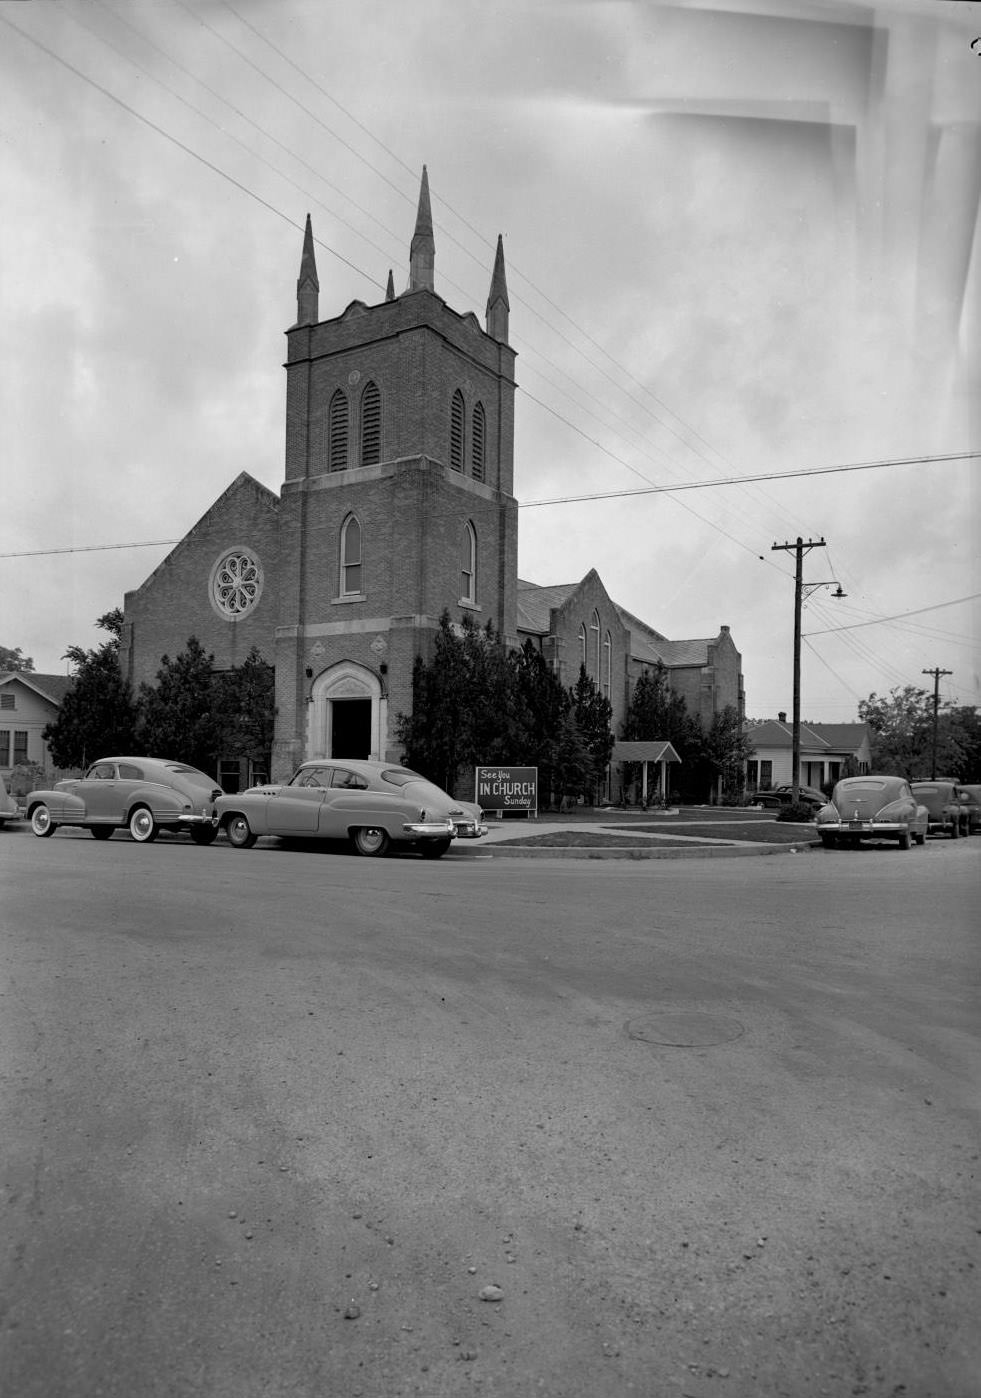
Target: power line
x: 898, y: 617
x: 742, y: 480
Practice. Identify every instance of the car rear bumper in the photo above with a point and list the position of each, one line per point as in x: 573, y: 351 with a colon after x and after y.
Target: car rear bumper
x: 432, y: 829
x: 467, y: 830
x: 862, y: 827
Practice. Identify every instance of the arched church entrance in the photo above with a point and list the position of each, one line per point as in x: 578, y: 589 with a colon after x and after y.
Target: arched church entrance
x: 348, y: 713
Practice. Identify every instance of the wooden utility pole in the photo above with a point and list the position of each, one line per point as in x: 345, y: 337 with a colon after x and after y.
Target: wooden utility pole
x: 798, y: 549
x: 936, y: 673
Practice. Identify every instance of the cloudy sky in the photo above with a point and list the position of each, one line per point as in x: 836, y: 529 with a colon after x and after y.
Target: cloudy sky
x: 742, y: 241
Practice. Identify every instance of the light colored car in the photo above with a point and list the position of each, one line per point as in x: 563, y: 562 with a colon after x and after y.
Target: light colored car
x: 872, y: 808
x: 374, y: 805
x: 8, y: 806
x: 949, y: 814
x: 143, y: 794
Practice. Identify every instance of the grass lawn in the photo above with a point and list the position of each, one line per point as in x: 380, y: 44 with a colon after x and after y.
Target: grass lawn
x: 768, y: 832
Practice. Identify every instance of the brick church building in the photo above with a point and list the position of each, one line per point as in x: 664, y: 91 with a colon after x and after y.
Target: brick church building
x: 397, y: 505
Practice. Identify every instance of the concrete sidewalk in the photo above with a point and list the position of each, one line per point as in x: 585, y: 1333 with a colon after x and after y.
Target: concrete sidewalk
x: 678, y: 843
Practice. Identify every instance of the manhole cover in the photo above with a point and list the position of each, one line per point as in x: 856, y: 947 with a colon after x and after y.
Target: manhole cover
x: 685, y: 1028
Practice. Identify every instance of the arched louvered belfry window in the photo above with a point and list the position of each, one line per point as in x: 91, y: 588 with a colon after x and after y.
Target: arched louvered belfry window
x: 582, y: 645
x: 468, y: 565
x: 477, y: 438
x: 351, y: 557
x: 594, y: 636
x: 370, y: 425
x: 457, y: 414
x: 337, y: 433
x: 607, y: 666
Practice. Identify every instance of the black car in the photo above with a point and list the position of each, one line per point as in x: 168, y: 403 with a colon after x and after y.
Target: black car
x: 783, y: 795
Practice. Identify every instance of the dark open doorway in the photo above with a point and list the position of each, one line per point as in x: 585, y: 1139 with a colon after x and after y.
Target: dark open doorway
x: 350, y: 729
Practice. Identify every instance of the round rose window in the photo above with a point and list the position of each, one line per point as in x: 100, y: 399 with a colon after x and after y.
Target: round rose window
x: 236, y: 583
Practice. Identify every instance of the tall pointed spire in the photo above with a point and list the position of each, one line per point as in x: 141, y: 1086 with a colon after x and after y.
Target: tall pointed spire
x: 390, y: 289
x: 498, y: 306
x: 308, y: 287
x: 422, y: 254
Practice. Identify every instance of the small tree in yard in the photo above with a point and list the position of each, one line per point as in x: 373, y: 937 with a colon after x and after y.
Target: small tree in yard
x: 98, y: 715
x: 177, y: 716
x: 245, y: 709
x: 593, y: 713
x: 727, y: 748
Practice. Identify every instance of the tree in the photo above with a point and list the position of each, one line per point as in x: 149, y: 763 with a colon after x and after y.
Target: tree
x: 13, y: 661
x: 656, y: 713
x: 98, y: 715
x: 177, y: 717
x: 544, y: 703
x: 902, y: 735
x: 244, y: 707
x: 727, y: 747
x: 593, y: 714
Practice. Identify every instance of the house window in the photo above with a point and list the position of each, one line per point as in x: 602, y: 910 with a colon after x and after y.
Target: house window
x: 766, y: 773
x: 608, y: 665
x: 582, y: 645
x: 834, y: 772
x: 7, y: 701
x: 370, y: 425
x: 456, y: 431
x: 20, y: 747
x: 752, y: 774
x: 594, y: 636
x: 477, y: 443
x: 337, y: 433
x: 468, y: 573
x: 351, y: 557
x: 4, y: 747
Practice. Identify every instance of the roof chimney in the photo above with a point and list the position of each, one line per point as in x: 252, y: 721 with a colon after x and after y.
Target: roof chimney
x: 781, y: 717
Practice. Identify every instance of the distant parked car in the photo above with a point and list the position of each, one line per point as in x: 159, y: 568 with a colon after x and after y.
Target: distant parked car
x: 374, y: 805
x: 872, y: 808
x: 145, y: 794
x: 8, y: 806
x: 949, y: 814
x: 781, y: 796
x: 973, y: 807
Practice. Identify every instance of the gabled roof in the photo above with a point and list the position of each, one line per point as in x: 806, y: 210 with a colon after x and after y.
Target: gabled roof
x: 535, y: 604
x: 814, y: 737
x: 655, y: 751
x: 52, y: 687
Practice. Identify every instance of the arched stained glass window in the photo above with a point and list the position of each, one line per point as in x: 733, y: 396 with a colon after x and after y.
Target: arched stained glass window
x: 477, y: 442
x: 337, y: 433
x: 468, y: 565
x: 351, y: 557
x: 582, y: 645
x: 370, y: 425
x: 594, y: 636
x: 607, y: 665
x: 457, y: 414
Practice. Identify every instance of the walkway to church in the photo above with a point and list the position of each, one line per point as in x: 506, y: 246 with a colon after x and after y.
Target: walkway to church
x: 707, y: 832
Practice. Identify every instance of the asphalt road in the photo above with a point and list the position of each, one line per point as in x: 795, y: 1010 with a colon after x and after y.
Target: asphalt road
x: 272, y: 1121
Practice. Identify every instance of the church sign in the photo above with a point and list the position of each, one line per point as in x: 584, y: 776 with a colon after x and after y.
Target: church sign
x: 507, y: 789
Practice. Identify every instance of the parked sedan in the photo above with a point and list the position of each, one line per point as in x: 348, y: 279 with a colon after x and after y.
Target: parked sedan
x: 872, y: 808
x: 973, y: 807
x: 8, y: 806
x: 949, y: 814
x: 143, y: 794
x: 782, y: 796
x: 374, y: 805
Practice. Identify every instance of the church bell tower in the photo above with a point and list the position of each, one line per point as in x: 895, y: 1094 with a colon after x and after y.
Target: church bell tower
x: 397, y: 503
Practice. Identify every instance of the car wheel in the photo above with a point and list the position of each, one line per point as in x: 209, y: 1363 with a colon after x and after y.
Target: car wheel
x: 101, y: 832
x: 954, y: 831
x: 240, y: 832
x: 920, y: 837
x: 904, y: 839
x: 370, y: 840
x: 142, y: 826
x: 41, y: 822
x: 434, y: 849
x: 828, y: 841
x: 204, y: 834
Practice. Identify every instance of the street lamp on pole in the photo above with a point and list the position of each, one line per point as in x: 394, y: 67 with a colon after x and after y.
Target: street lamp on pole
x: 800, y: 548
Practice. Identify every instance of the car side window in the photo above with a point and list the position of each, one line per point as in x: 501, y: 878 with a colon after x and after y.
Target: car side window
x: 130, y: 773
x: 315, y: 778
x: 351, y: 781
x: 102, y: 772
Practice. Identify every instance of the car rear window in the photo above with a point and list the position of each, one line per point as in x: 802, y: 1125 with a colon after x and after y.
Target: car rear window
x: 400, y: 776
x: 195, y: 777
